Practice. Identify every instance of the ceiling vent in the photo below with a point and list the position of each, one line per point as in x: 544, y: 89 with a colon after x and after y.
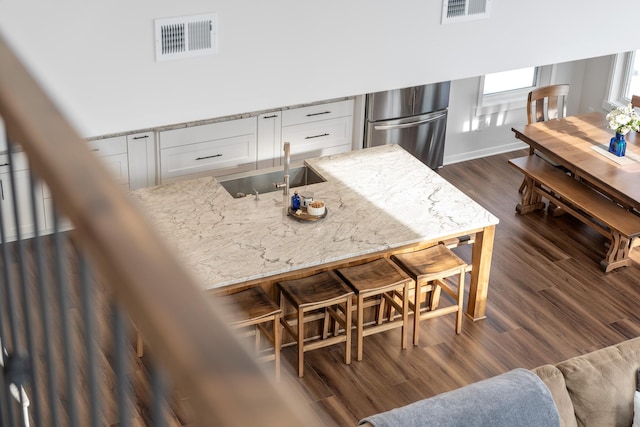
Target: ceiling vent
x: 464, y: 10
x: 185, y: 37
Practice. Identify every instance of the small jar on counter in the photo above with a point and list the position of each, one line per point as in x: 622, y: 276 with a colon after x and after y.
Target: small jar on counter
x: 306, y: 198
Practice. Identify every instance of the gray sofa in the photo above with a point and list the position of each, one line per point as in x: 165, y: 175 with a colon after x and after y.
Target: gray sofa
x: 592, y: 390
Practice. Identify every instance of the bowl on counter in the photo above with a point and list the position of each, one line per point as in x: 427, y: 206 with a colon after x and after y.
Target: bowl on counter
x: 316, y: 208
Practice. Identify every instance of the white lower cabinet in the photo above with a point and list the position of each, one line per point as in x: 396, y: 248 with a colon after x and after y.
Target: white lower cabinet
x: 216, y: 149
x: 269, y: 137
x: 224, y: 148
x: 25, y: 224
x: 142, y: 154
x: 113, y: 153
x: 318, y: 130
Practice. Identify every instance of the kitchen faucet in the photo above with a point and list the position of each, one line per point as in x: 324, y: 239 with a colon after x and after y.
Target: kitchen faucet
x: 287, y: 160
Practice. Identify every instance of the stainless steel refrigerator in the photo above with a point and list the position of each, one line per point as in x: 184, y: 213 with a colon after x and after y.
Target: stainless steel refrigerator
x: 414, y: 118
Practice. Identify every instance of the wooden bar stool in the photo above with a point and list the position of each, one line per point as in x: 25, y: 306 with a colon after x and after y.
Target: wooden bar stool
x: 253, y: 307
x: 429, y: 268
x: 317, y: 298
x: 376, y: 283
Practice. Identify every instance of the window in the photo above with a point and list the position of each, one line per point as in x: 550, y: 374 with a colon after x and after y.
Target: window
x: 524, y: 78
x: 624, y: 81
x: 632, y: 82
x: 508, y: 90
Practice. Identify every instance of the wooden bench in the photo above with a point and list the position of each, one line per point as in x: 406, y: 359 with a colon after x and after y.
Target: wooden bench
x: 581, y: 201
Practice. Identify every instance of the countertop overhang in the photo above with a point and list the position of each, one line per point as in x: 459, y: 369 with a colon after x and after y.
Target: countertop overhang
x: 377, y: 199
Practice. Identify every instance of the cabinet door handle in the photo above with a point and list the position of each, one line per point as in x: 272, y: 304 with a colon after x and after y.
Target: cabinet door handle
x: 317, y: 114
x: 316, y: 136
x: 1, y: 190
x: 95, y: 149
x: 5, y: 164
x: 270, y: 117
x: 208, y: 157
x: 141, y: 137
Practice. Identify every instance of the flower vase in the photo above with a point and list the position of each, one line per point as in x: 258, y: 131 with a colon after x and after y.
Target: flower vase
x: 618, y: 145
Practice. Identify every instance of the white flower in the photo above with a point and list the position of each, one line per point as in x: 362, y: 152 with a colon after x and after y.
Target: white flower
x: 624, y: 119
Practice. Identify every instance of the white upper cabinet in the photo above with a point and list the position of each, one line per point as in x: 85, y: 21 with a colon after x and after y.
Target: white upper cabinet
x: 216, y: 149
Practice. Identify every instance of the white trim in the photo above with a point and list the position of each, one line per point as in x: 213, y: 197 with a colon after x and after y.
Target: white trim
x: 478, y: 154
x: 618, y: 80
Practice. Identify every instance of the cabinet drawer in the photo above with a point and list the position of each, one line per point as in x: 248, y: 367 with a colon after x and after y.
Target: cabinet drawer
x: 20, y: 162
x: 218, y: 157
x: 210, y: 132
x: 313, y: 139
x: 316, y: 113
x: 109, y: 146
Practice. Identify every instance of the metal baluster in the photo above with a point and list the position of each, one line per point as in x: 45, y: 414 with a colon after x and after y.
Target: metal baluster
x: 89, y: 334
x: 121, y: 365
x: 37, y: 245
x: 65, y: 323
x: 11, y: 309
x: 158, y: 396
x: 47, y: 321
x: 20, y: 364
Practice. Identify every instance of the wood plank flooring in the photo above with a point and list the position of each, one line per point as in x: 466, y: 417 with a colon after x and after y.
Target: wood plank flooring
x: 548, y: 301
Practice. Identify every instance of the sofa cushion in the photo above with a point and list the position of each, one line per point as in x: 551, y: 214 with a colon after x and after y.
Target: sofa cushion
x: 554, y: 380
x: 602, y: 384
x: 515, y: 398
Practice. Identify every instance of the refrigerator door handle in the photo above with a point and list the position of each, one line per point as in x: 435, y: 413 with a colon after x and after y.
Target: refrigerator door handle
x: 410, y: 124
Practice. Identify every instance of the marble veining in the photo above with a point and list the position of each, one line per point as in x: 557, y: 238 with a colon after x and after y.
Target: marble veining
x: 378, y: 198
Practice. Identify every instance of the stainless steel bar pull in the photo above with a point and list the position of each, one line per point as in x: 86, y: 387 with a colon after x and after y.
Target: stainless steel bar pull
x: 408, y: 125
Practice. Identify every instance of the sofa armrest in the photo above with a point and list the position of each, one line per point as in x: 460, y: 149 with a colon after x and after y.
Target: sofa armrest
x: 515, y: 398
x: 554, y: 380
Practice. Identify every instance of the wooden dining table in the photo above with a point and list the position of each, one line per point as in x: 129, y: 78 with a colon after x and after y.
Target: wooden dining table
x: 579, y: 143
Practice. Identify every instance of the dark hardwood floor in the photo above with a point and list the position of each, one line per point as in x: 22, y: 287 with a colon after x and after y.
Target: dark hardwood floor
x: 548, y: 301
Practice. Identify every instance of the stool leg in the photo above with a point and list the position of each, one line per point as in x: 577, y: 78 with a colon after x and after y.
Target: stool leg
x: 347, y: 331
x: 257, y: 340
x: 416, y: 312
x: 325, y: 324
x: 300, y: 343
x: 359, y: 326
x: 435, y: 297
x: 405, y: 315
x: 277, y: 342
x: 460, y: 302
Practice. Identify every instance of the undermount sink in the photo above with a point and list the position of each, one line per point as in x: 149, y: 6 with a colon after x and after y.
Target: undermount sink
x: 263, y: 183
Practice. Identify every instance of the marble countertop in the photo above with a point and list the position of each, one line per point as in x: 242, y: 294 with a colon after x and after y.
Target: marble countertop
x: 377, y: 199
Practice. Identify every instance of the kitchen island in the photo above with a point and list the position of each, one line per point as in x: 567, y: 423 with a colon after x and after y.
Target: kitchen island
x: 380, y: 201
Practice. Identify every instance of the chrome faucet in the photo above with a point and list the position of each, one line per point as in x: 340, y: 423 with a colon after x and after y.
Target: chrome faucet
x: 287, y: 161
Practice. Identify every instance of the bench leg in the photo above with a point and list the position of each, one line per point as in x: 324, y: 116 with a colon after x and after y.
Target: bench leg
x: 531, y: 199
x: 618, y: 254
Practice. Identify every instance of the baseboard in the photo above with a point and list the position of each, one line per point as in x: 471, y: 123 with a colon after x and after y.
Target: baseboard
x: 491, y: 151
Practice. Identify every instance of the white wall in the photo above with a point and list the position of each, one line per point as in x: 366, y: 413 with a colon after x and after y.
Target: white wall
x: 97, y: 58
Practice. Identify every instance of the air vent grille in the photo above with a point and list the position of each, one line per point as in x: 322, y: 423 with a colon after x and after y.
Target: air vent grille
x: 185, y: 37
x: 464, y: 10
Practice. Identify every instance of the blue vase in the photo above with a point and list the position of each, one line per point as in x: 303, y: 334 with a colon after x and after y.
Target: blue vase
x: 618, y: 145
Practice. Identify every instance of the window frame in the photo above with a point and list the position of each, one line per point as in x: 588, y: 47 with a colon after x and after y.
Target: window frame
x: 619, y: 81
x: 512, y: 99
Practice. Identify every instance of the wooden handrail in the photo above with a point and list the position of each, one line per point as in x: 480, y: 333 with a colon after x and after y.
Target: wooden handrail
x: 186, y: 332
